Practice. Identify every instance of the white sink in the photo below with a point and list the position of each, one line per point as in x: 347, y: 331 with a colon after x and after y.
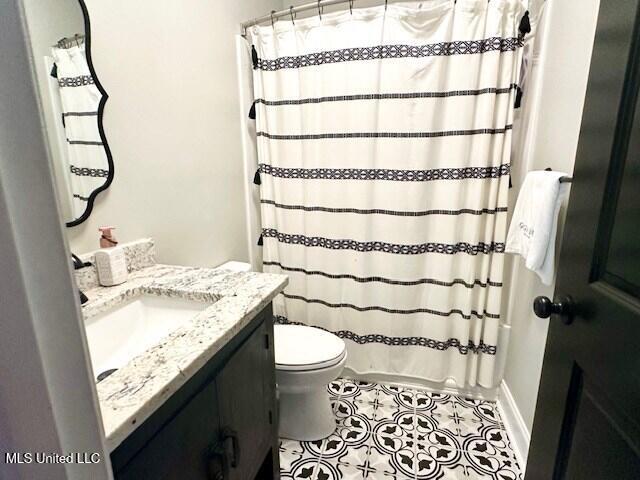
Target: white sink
x: 118, y: 335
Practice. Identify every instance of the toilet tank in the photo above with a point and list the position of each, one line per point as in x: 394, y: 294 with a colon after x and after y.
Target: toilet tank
x: 235, y: 266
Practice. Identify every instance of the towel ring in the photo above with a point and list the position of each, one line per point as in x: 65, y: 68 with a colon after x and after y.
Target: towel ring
x: 292, y: 15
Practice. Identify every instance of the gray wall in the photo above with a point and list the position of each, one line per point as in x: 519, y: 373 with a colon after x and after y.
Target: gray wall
x: 552, y: 130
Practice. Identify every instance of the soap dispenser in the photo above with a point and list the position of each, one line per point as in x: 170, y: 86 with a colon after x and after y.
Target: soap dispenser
x: 107, y: 238
x: 111, y: 261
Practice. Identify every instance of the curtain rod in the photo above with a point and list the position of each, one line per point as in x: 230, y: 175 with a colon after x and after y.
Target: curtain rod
x: 68, y: 42
x: 292, y: 11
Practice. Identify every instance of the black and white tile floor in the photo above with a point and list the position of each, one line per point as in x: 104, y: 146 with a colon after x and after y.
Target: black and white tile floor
x: 390, y: 433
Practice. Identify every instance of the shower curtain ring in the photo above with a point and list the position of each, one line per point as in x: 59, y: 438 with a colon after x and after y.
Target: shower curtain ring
x: 272, y: 12
x: 292, y: 15
x: 351, y: 7
x: 385, y: 4
x: 319, y: 10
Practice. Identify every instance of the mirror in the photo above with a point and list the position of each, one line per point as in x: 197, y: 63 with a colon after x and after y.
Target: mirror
x: 72, y: 102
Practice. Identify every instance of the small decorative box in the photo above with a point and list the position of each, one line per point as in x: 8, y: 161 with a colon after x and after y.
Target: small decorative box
x: 112, y: 266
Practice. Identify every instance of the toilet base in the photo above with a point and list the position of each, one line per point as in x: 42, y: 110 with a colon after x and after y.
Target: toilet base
x: 309, y: 415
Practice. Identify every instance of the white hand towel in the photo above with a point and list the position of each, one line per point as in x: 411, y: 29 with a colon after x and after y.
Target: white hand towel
x: 532, y: 233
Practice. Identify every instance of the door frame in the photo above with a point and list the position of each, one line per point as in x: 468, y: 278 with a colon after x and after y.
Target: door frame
x: 49, y: 401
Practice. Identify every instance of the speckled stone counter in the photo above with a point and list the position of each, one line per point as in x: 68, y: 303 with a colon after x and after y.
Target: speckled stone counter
x: 131, y: 394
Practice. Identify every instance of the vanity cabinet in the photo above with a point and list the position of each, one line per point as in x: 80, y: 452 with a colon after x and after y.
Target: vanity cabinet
x: 221, y: 425
x: 245, y: 391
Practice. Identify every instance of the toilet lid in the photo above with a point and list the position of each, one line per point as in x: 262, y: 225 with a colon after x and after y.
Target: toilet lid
x: 298, y: 347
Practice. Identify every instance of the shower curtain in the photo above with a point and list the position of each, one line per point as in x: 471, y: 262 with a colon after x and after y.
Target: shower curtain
x: 383, y: 139
x: 80, y: 98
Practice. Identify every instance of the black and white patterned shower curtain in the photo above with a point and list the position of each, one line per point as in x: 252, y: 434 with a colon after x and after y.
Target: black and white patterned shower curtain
x: 86, y: 159
x: 383, y: 142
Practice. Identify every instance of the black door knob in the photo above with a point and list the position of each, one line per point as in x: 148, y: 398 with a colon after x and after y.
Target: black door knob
x: 562, y: 308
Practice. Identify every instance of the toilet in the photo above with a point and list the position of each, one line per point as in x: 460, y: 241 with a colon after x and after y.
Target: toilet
x: 307, y: 359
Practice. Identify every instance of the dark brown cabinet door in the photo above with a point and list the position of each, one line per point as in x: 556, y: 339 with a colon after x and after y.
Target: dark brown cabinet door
x: 587, y: 422
x: 246, y: 392
x: 182, y: 449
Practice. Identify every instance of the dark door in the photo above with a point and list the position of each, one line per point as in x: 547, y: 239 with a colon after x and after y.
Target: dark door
x: 587, y: 422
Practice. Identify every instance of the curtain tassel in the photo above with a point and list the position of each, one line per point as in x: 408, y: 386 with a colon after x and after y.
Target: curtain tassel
x: 260, y: 241
x: 256, y: 178
x: 252, y: 111
x: 525, y: 25
x: 518, y: 101
x: 254, y: 56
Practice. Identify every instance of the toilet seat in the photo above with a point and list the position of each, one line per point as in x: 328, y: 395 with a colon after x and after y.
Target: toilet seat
x: 302, y: 348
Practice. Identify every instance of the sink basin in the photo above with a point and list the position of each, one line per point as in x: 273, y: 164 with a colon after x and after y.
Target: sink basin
x: 118, y: 335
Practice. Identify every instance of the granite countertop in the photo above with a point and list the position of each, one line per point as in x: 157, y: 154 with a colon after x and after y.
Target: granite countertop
x: 132, y: 393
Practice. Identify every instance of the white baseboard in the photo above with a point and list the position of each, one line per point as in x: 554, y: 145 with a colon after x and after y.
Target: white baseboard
x: 515, y: 425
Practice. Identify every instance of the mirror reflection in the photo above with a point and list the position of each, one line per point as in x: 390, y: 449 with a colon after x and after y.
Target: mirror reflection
x: 72, y: 102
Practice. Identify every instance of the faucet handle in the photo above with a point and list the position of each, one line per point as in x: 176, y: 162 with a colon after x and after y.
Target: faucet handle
x: 78, y: 263
x: 83, y: 298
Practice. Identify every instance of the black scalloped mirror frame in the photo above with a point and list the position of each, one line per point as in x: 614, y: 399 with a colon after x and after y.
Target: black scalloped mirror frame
x: 103, y: 137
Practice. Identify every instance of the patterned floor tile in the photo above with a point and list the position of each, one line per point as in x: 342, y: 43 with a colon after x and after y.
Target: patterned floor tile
x: 396, y: 428
x: 424, y: 401
x: 449, y: 466
x: 345, y: 472
x: 334, y: 403
x: 314, y: 447
x: 440, y: 438
x: 355, y: 415
x: 351, y: 472
x: 347, y: 446
x: 439, y: 404
x: 287, y: 460
x: 477, y: 410
x: 334, y: 388
x: 499, y: 467
x: 331, y: 470
x: 433, y: 461
x: 359, y: 391
x: 459, y: 426
x: 400, y: 413
x: 394, y: 456
x: 386, y: 432
x: 425, y: 423
x: 390, y: 395
x: 298, y: 466
x: 291, y: 446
